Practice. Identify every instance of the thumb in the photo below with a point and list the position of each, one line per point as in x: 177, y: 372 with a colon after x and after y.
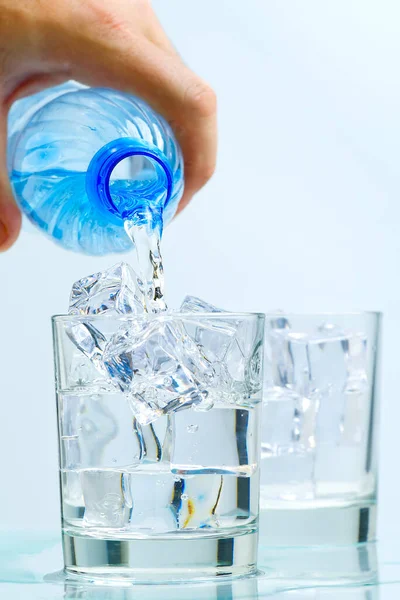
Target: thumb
x: 10, y: 216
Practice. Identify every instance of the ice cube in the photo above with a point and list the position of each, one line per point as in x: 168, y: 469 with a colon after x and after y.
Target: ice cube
x: 357, y: 391
x: 219, y: 441
x: 116, y: 290
x: 355, y: 347
x: 343, y: 419
x: 193, y: 304
x: 329, y: 363
x: 70, y: 452
x: 288, y: 423
x: 338, y: 363
x: 90, y: 341
x: 243, y: 359
x: 327, y: 359
x: 200, y: 501
x: 229, y: 347
x: 100, y: 426
x: 207, y: 373
x: 280, y: 321
x: 254, y: 369
x: 97, y: 428
x: 148, y: 366
x: 83, y: 375
x: 156, y: 440
x: 213, y: 336
x: 279, y: 361
x: 153, y: 494
x: 72, y: 494
x: 107, y: 498
x: 210, y: 373
x: 306, y: 362
x: 80, y: 371
x: 143, y: 409
x: 288, y: 444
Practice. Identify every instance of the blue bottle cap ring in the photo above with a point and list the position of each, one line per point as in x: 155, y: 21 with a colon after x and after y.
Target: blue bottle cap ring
x: 106, y: 159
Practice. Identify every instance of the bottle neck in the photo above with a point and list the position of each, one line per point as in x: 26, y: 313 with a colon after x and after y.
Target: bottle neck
x: 134, y: 194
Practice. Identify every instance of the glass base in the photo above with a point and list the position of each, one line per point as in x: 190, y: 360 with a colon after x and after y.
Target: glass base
x: 30, y: 564
x: 321, y: 565
x: 162, y: 559
x: 323, y: 526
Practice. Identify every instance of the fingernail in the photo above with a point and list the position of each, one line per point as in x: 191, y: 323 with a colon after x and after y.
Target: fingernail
x: 3, y: 234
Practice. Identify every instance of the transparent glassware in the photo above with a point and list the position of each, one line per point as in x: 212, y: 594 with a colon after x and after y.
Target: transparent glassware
x: 320, y: 429
x: 178, y: 498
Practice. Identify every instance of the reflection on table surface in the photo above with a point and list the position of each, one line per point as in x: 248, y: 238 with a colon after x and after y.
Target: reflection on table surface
x: 232, y: 591
x: 30, y: 569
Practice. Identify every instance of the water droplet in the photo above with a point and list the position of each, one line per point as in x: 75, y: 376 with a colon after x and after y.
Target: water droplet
x: 192, y: 428
x: 185, y: 497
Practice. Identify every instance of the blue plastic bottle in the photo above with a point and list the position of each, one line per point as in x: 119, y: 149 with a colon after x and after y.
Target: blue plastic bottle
x: 84, y: 160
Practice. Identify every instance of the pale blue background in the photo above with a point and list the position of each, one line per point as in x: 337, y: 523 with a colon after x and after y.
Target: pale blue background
x: 302, y: 214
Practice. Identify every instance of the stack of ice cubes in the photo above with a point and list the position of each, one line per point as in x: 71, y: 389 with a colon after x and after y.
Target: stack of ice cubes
x: 318, y: 379
x: 315, y: 414
x: 160, y: 362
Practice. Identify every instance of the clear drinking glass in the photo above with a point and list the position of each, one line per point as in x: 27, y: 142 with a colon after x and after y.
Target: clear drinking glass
x: 319, y: 429
x: 174, y: 499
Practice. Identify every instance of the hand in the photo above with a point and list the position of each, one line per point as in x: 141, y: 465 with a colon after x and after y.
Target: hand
x: 111, y: 43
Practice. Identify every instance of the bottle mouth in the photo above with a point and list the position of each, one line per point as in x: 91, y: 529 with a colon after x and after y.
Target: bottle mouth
x: 129, y: 176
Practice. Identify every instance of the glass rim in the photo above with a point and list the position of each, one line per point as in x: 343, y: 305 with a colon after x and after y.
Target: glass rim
x: 195, y: 316
x: 322, y: 314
